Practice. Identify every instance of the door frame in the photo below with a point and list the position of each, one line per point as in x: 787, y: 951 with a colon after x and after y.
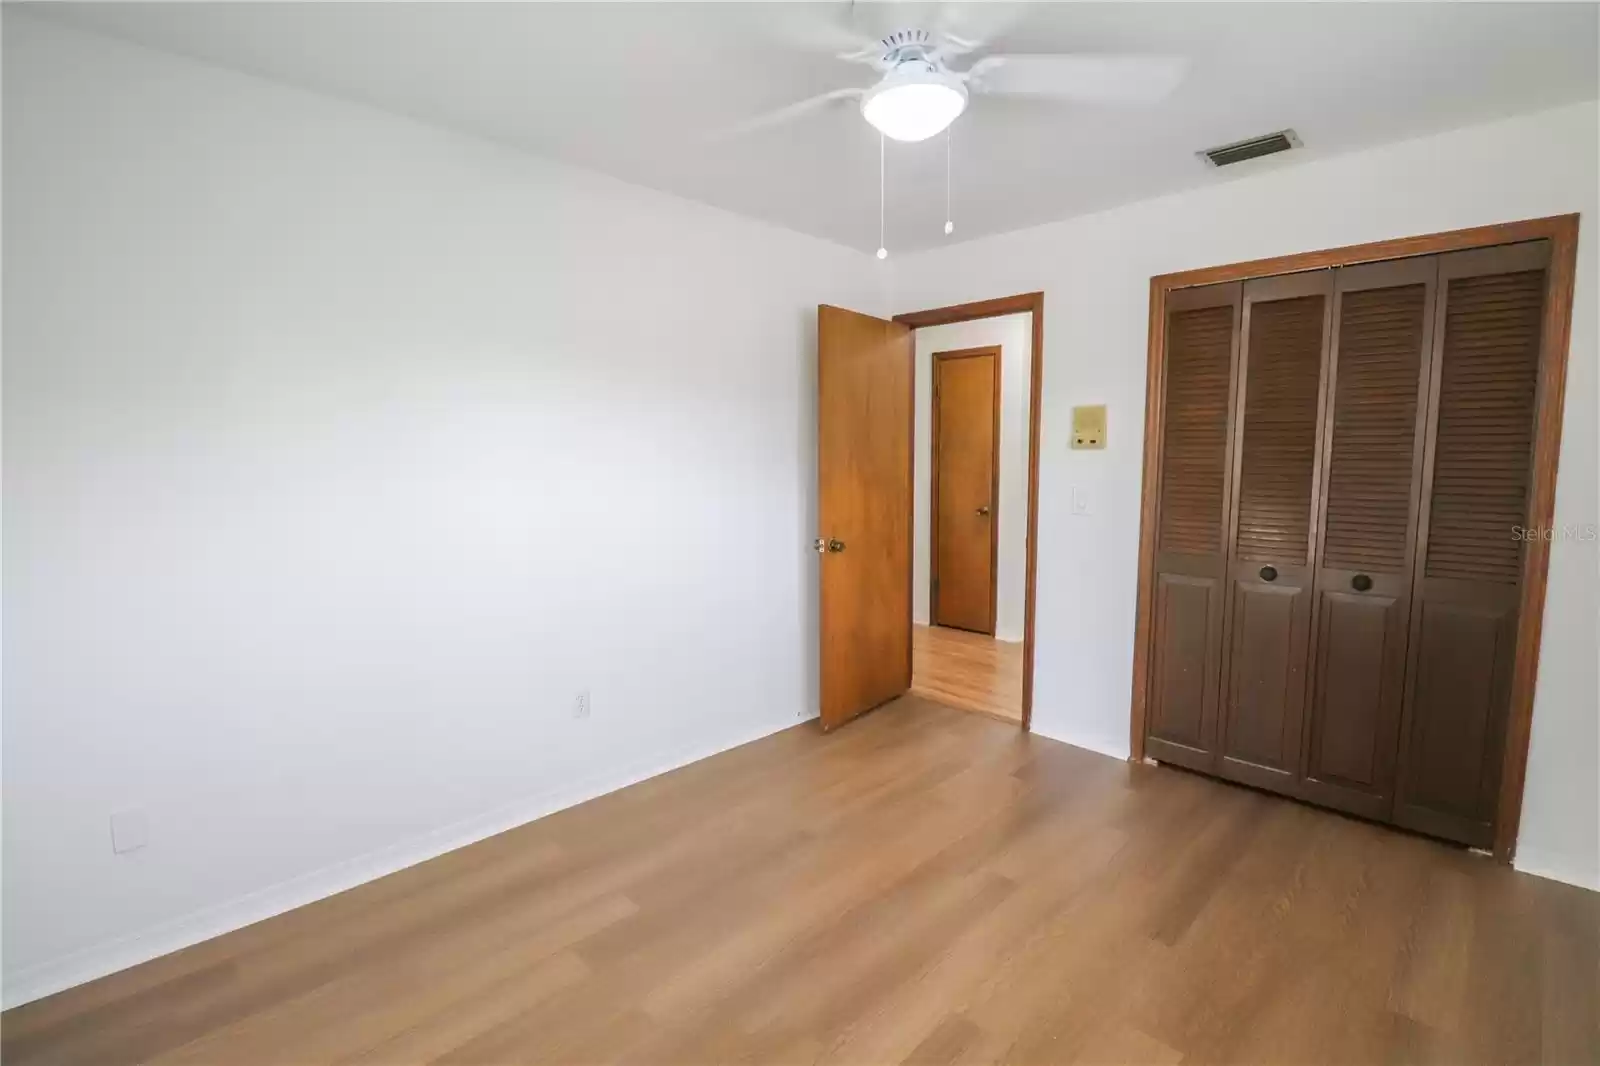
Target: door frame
x: 1562, y: 233
x: 1022, y: 303
x: 994, y: 482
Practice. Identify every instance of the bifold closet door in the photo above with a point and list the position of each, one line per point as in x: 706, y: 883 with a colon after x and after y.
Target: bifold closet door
x: 1373, y: 450
x: 1284, y: 338
x: 1467, y: 585
x: 1202, y: 342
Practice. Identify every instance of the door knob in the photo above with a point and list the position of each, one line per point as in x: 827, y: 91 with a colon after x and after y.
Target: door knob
x: 1361, y: 582
x: 1269, y: 573
x: 984, y: 509
x: 836, y: 545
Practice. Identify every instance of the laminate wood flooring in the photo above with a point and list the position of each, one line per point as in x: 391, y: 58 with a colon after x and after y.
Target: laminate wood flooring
x: 924, y: 885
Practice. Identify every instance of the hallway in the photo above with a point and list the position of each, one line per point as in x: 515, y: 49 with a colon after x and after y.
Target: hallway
x: 971, y: 671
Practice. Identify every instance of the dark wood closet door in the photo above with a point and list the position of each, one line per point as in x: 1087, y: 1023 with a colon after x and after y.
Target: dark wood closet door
x: 1202, y: 340
x: 1373, y: 448
x: 1485, y: 369
x: 1284, y: 329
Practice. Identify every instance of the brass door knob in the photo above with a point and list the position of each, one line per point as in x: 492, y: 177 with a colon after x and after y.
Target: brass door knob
x: 984, y: 509
x: 836, y: 545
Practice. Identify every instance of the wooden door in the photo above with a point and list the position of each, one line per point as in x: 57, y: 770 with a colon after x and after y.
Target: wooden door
x: 864, y: 412
x: 1373, y: 446
x: 1202, y: 346
x: 1468, y: 572
x: 1266, y: 628
x: 964, y: 542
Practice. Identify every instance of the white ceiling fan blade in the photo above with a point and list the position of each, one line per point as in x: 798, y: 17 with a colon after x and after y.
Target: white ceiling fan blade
x: 1105, y: 79
x: 793, y: 111
x: 963, y: 28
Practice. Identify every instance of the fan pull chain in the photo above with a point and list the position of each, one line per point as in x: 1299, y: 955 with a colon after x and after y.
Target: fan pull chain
x: 883, y: 247
x: 949, y: 226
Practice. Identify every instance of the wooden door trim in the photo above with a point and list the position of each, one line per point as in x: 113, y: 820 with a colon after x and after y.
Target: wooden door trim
x: 1022, y: 303
x: 994, y: 482
x: 1562, y: 233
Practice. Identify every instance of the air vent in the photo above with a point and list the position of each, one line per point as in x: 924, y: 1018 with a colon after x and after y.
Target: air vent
x: 1255, y: 147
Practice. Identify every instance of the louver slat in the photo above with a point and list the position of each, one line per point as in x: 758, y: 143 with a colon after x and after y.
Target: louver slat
x: 1374, y: 429
x: 1485, y: 426
x: 1280, y: 429
x: 1195, y: 446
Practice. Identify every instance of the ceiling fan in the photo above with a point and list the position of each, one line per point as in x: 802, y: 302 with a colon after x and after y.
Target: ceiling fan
x: 919, y: 95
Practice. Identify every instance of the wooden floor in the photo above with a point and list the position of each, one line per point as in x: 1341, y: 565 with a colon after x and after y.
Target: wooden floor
x: 967, y: 670
x: 922, y: 886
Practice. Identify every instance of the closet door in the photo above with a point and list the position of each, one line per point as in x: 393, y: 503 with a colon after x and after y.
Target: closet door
x: 1284, y: 330
x: 1373, y: 448
x: 1202, y: 341
x: 1469, y: 562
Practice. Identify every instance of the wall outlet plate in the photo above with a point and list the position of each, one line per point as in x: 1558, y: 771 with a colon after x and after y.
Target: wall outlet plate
x: 1089, y: 427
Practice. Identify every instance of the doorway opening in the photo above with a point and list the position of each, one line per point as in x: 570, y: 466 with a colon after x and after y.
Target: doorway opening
x: 974, y: 457
x: 869, y: 580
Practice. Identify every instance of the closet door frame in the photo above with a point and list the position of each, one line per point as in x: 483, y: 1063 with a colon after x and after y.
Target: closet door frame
x: 1562, y: 233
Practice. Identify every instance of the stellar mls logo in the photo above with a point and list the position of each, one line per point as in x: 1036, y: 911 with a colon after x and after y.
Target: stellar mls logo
x: 1580, y: 532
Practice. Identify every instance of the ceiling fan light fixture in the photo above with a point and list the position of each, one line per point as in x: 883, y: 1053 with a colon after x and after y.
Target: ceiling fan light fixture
x: 913, y: 105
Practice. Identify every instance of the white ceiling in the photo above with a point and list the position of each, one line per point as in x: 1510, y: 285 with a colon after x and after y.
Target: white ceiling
x: 630, y: 89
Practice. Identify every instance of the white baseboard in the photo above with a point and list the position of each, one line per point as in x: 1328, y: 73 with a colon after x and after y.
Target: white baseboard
x: 1086, y: 743
x: 1553, y: 868
x: 43, y: 979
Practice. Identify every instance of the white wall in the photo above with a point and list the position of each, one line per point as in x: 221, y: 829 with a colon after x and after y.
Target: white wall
x: 1014, y: 335
x: 340, y: 454
x: 1095, y: 272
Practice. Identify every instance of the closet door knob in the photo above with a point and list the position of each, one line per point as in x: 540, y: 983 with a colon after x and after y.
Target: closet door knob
x: 1269, y: 573
x: 1361, y: 582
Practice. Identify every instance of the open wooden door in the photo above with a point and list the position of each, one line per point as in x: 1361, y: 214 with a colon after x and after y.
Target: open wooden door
x: 864, y: 412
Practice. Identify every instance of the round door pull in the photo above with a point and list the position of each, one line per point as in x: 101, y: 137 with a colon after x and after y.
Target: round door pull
x: 984, y: 509
x: 1269, y: 573
x: 836, y: 545
x: 1361, y: 582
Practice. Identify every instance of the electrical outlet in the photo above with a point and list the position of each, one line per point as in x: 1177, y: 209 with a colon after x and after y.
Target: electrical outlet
x: 129, y: 831
x: 580, y: 706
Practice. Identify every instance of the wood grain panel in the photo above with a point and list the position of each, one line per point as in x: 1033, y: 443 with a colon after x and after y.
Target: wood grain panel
x: 1354, y: 636
x: 1374, y: 448
x: 1191, y: 558
x: 1262, y: 716
x: 1483, y: 462
x: 1466, y: 591
x: 1184, y: 608
x: 1267, y: 620
x: 964, y: 502
x: 1456, y: 718
x: 1283, y: 373
x: 864, y: 410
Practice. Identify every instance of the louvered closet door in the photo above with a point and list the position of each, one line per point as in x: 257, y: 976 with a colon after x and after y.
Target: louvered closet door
x: 1476, y: 477
x: 1267, y: 616
x: 1373, y: 448
x: 1202, y: 340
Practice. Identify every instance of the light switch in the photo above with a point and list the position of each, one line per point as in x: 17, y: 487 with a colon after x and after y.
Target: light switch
x: 1080, y: 500
x: 129, y: 831
x: 1089, y: 426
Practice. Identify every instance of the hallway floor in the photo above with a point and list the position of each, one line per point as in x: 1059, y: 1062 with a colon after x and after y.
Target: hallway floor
x: 971, y: 671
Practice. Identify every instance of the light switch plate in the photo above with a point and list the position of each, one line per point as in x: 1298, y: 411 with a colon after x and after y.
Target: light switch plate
x: 129, y: 831
x: 1089, y: 426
